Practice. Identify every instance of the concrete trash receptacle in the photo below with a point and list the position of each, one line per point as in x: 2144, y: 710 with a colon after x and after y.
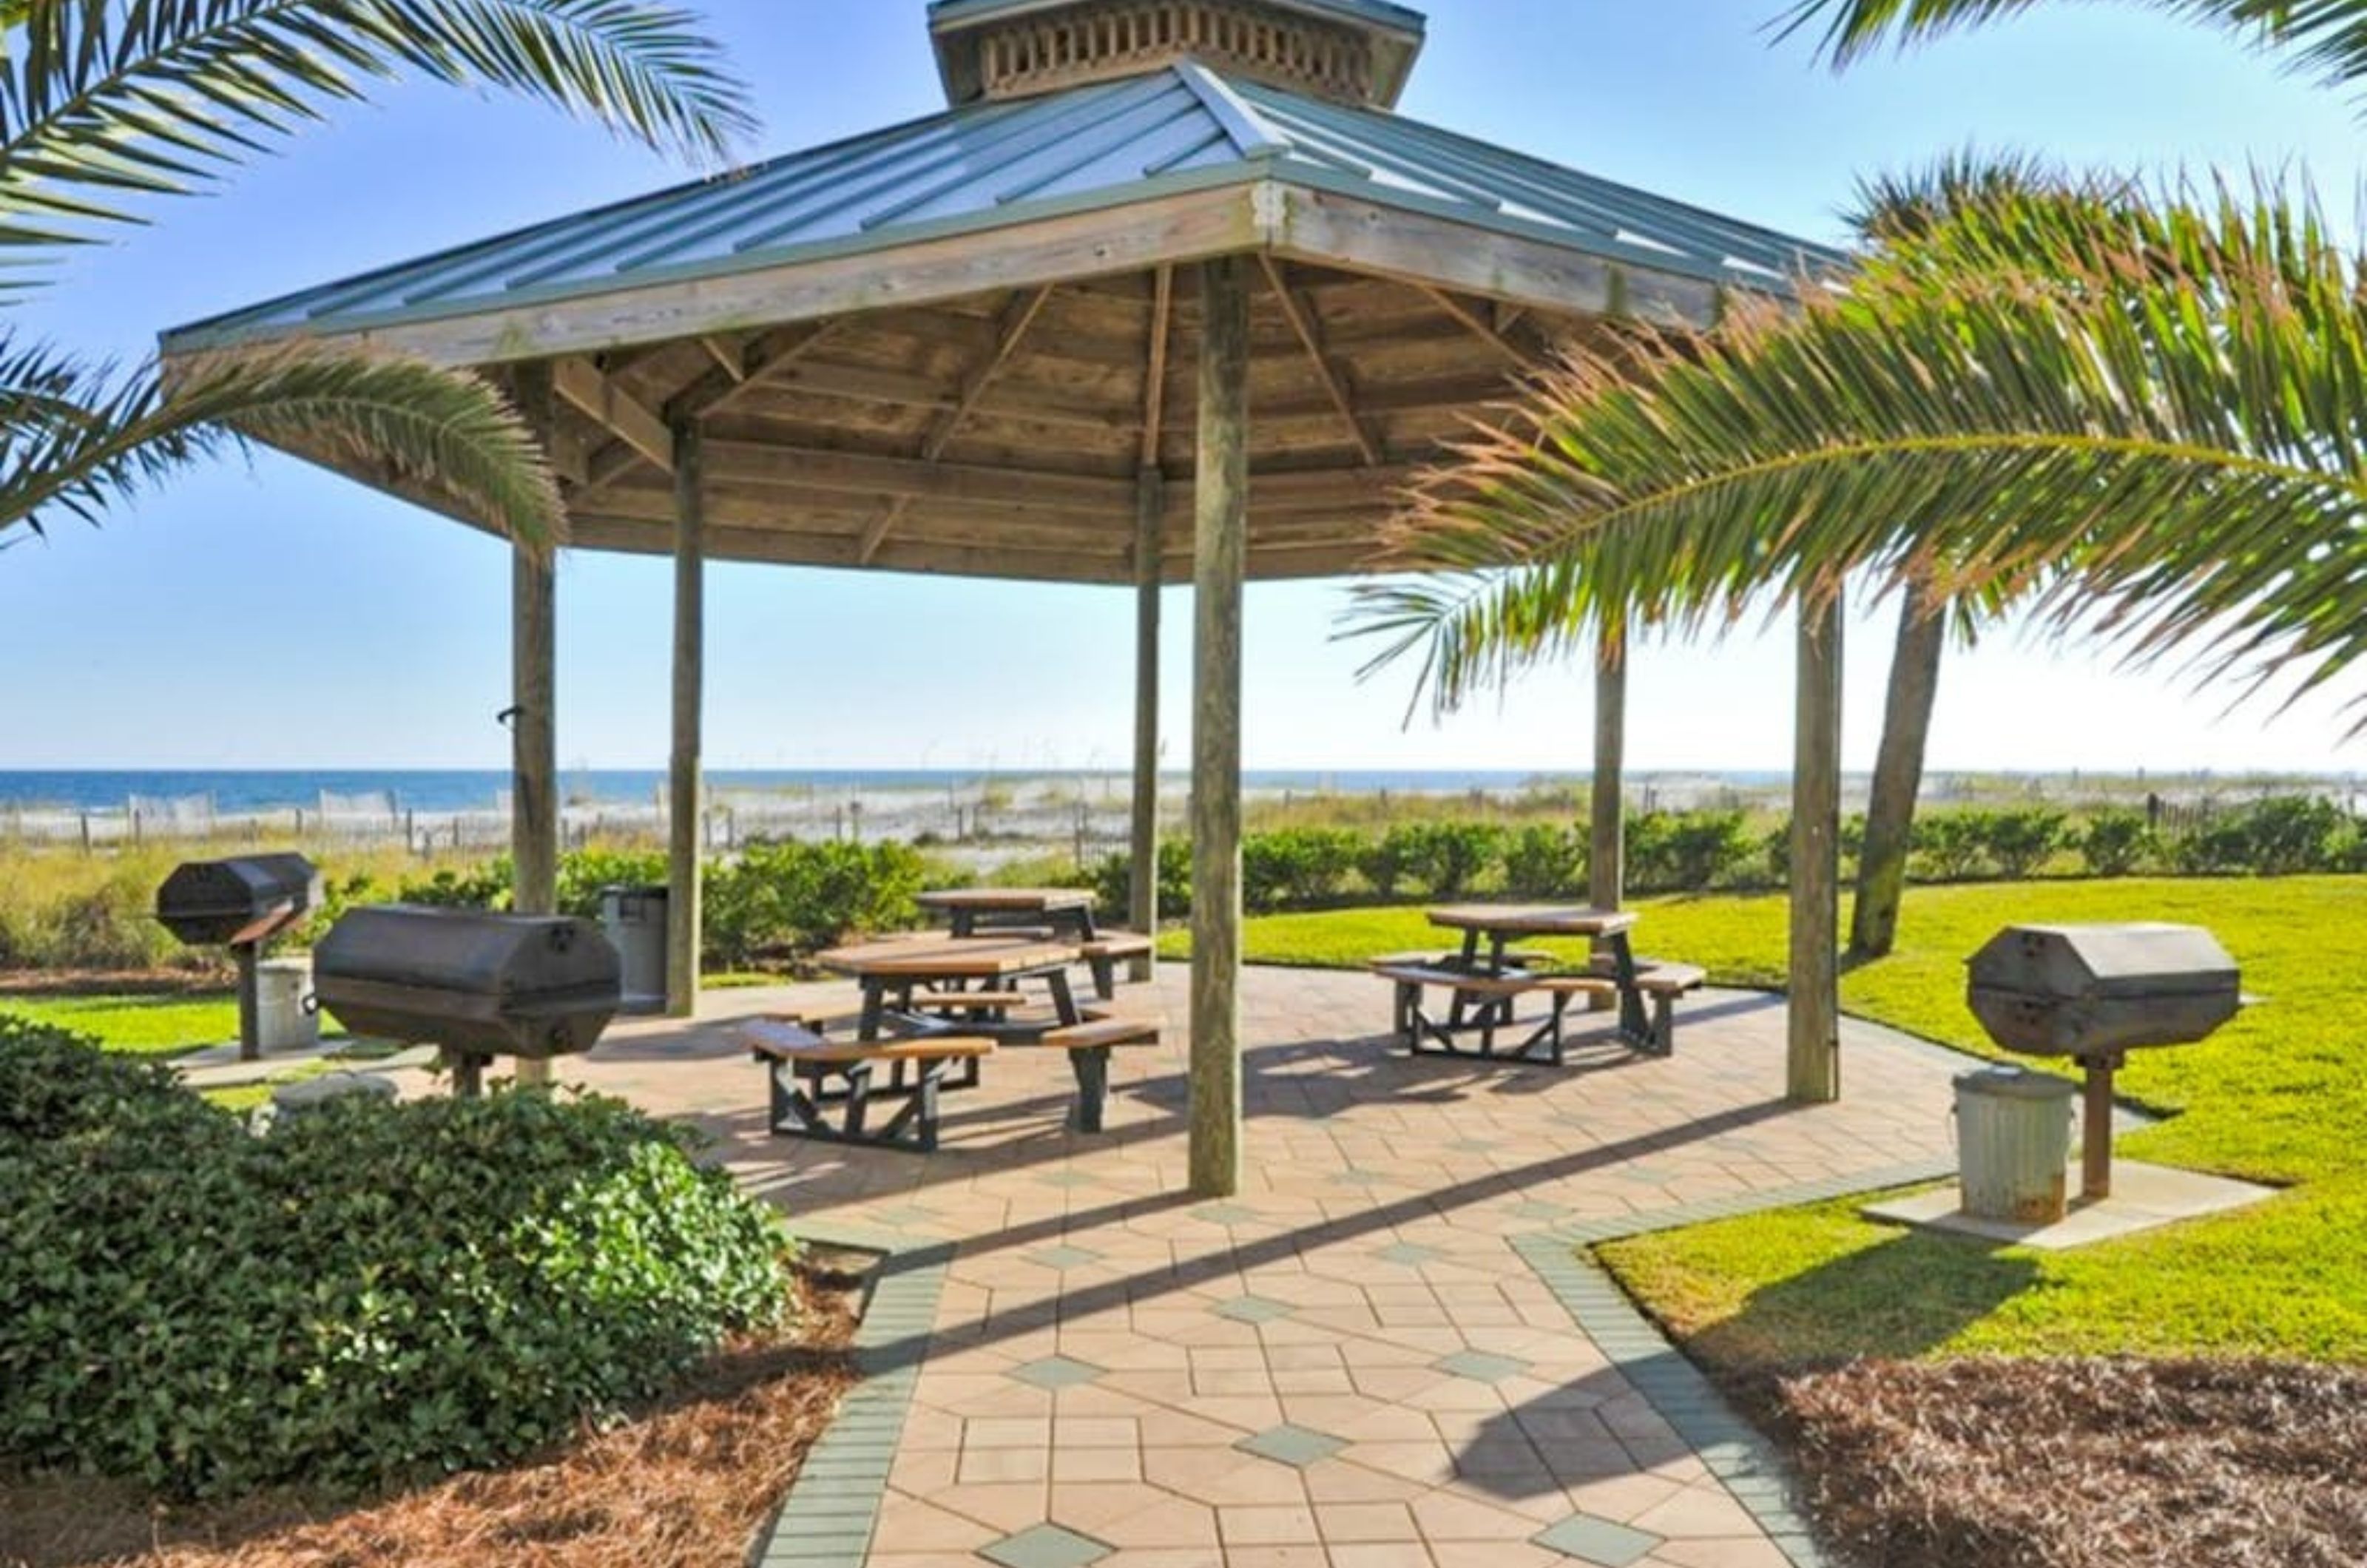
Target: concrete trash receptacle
x: 311, y: 1094
x: 634, y: 921
x: 2014, y: 1142
x: 286, y: 1017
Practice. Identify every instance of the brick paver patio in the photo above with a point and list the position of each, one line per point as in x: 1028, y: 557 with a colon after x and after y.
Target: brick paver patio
x: 1348, y: 1366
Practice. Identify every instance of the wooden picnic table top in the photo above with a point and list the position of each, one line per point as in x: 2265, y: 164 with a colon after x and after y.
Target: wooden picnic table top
x: 945, y: 958
x: 1009, y: 900
x: 1532, y: 919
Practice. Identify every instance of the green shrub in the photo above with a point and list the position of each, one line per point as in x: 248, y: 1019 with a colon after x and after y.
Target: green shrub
x: 792, y: 897
x: 485, y: 886
x: 2022, y: 840
x: 1387, y: 860
x: 1113, y: 881
x: 1448, y: 858
x: 1296, y: 868
x: 1542, y: 861
x: 1686, y: 851
x: 584, y: 874
x: 1951, y: 844
x: 369, y: 1294
x: 2287, y: 835
x: 2115, y: 841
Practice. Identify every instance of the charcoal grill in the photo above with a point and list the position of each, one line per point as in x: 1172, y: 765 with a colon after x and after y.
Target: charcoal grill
x: 2095, y: 993
x: 479, y: 986
x: 239, y: 903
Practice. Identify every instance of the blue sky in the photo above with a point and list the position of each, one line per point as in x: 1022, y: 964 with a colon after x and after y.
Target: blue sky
x: 265, y: 614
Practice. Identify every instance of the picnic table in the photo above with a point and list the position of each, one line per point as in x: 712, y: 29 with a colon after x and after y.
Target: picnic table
x: 1490, y: 975
x: 918, y: 982
x: 950, y: 1002
x: 973, y: 911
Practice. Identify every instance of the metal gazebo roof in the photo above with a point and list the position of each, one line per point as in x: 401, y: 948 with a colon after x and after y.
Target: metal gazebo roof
x: 952, y: 345
x: 1097, y: 148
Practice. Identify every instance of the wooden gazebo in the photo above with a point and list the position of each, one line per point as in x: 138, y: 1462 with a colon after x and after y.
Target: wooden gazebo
x: 1168, y: 294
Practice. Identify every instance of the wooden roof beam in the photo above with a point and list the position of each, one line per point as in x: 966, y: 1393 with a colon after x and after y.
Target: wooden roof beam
x: 1481, y: 327
x: 1154, y: 409
x: 1309, y: 332
x: 1017, y: 317
x: 581, y: 384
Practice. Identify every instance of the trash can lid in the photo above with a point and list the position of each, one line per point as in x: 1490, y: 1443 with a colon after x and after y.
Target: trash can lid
x: 634, y: 890
x: 2015, y: 1083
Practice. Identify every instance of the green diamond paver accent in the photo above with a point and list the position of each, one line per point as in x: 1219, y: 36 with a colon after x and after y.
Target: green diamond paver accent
x: 905, y: 1217
x: 1069, y: 1179
x: 1599, y: 1542
x: 1227, y: 1214
x: 1475, y: 1147
x: 1254, y: 1309
x: 1481, y: 1366
x: 1058, y: 1371
x: 1045, y: 1546
x: 1531, y: 1209
x: 1358, y: 1178
x: 1065, y: 1257
x: 1412, y: 1254
x: 1298, y: 1446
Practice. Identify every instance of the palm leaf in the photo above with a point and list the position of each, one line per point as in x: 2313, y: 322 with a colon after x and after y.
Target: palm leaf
x: 106, y: 101
x: 2152, y: 412
x: 2325, y: 38
x: 75, y: 438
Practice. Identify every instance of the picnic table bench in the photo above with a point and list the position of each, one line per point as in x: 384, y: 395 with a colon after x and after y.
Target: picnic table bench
x: 1487, y: 978
x: 809, y: 1076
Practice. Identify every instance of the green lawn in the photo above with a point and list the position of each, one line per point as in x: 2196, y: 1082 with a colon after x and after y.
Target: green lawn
x: 138, y: 1026
x: 2279, y: 1096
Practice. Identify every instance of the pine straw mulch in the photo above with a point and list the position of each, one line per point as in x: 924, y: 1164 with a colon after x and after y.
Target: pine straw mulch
x: 1996, y: 1464
x: 684, y: 1483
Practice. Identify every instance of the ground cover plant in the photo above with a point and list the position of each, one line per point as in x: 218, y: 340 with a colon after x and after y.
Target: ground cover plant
x: 371, y: 1293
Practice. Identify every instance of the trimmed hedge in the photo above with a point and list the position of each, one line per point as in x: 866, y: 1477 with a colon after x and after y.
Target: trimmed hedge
x: 370, y: 1294
x: 1695, y: 851
x: 773, y: 900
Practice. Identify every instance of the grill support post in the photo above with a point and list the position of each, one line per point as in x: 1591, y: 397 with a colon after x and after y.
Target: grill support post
x: 2096, y: 1129
x: 250, y: 1020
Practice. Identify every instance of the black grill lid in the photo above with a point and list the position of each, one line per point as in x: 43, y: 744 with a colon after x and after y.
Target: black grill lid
x: 244, y: 900
x: 469, y: 981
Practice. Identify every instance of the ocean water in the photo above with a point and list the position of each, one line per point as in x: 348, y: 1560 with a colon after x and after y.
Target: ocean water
x: 234, y: 793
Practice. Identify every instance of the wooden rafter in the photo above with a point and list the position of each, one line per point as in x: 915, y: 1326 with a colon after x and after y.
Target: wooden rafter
x: 1017, y: 317
x: 1481, y: 327
x: 581, y: 384
x: 729, y: 358
x: 1154, y: 399
x: 1309, y: 332
x: 775, y: 352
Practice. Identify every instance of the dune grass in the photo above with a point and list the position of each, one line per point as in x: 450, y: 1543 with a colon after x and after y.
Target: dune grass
x: 2278, y: 1096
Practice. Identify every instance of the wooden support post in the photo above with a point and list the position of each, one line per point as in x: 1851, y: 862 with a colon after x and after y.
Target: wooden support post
x: 1815, y: 1056
x: 1221, y: 555
x: 1149, y: 548
x: 1606, y: 857
x: 534, y: 748
x: 683, y: 873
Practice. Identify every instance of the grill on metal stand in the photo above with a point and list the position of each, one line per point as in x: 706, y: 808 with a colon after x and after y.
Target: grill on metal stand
x: 479, y: 986
x: 239, y: 903
x: 2096, y: 993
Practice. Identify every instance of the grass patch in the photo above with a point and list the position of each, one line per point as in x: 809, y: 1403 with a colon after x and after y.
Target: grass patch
x: 138, y: 1026
x: 2277, y: 1095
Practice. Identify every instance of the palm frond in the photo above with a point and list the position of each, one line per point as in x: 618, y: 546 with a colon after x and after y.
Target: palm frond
x: 103, y: 102
x: 76, y: 439
x: 2324, y: 39
x: 2154, y: 414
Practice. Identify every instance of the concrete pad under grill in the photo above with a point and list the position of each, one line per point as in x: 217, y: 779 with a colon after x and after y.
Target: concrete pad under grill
x: 2144, y: 1198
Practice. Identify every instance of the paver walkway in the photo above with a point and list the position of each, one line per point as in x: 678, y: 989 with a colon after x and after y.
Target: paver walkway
x: 1350, y: 1365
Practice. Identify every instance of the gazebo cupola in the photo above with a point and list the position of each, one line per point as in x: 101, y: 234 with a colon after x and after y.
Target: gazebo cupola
x: 1348, y: 51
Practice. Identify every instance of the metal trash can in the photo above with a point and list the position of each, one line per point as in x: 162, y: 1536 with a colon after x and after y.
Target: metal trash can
x: 2013, y: 1143
x: 285, y: 1016
x: 634, y: 920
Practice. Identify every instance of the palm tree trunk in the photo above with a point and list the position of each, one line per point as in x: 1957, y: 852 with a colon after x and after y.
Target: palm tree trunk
x: 1897, y: 776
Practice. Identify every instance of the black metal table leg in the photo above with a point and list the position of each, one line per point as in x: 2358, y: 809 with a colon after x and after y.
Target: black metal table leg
x: 1092, y: 1087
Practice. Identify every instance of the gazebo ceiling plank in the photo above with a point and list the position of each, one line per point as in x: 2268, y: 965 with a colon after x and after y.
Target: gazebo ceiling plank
x: 1157, y: 348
